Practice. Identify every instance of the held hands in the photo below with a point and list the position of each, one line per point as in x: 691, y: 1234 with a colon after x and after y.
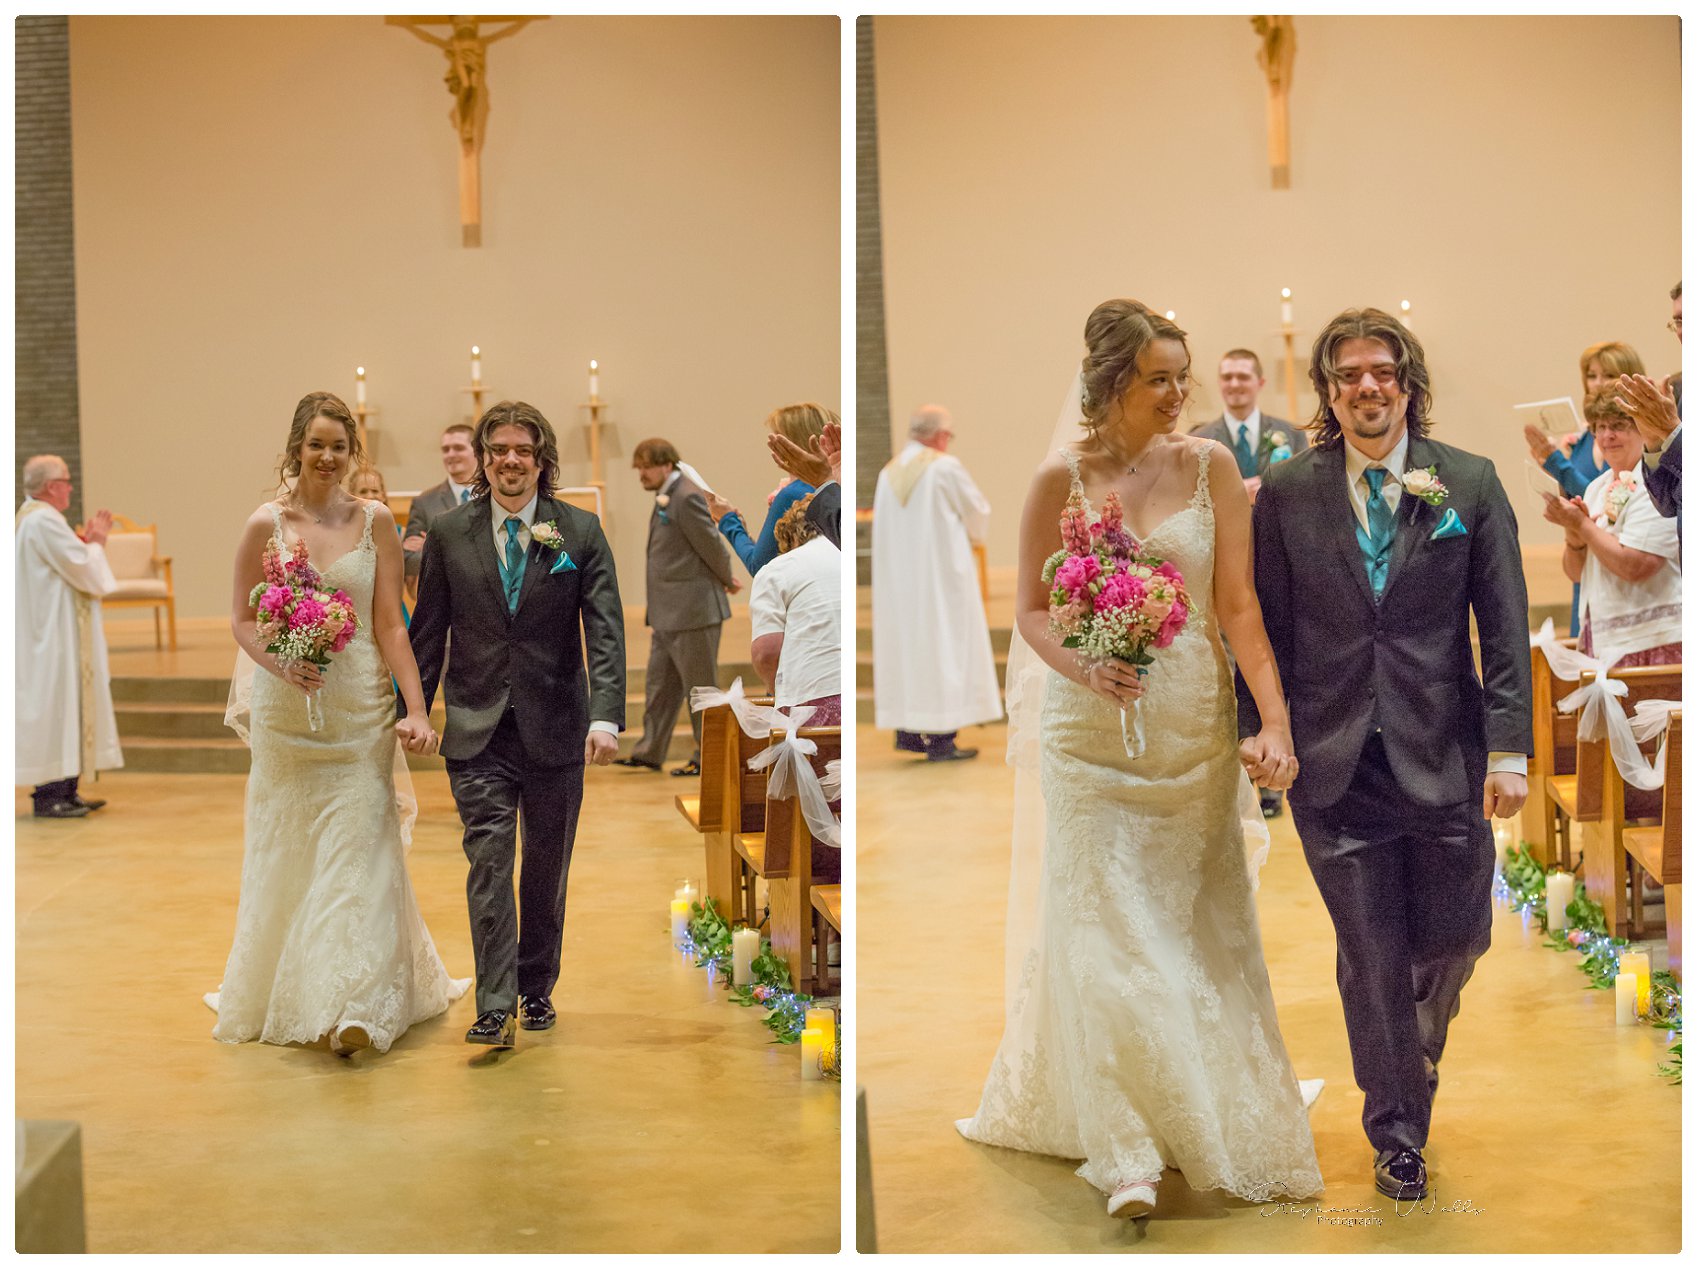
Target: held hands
x: 98, y: 527
x: 719, y: 508
x: 1505, y: 794
x: 417, y: 735
x: 303, y: 675
x: 1269, y: 759
x: 1115, y: 681
x: 1651, y: 406
x: 599, y: 747
x: 1539, y: 442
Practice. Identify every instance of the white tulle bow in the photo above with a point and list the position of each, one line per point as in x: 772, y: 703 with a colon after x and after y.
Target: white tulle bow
x: 1601, y: 713
x: 755, y: 720
x: 792, y: 775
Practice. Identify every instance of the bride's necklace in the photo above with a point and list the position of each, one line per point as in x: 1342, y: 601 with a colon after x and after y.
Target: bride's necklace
x: 1130, y: 466
x: 316, y: 518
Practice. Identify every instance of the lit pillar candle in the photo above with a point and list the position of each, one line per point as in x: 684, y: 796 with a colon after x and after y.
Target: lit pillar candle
x: 823, y: 1019
x: 476, y: 365
x: 1558, y: 893
x: 1626, y: 999
x: 594, y: 381
x: 1501, y: 836
x: 687, y: 892
x: 745, y: 946
x: 1636, y: 962
x: 1406, y: 320
x: 680, y: 921
x: 1284, y: 307
x: 814, y: 1043
x: 359, y: 386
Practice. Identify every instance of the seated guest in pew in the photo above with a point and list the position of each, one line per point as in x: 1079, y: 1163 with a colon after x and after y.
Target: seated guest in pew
x: 822, y: 467
x: 368, y: 483
x: 1622, y: 551
x: 1574, y: 463
x: 796, y: 615
x: 797, y: 423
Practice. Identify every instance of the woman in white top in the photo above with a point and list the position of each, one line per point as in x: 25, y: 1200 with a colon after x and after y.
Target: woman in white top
x: 796, y: 612
x: 1622, y: 551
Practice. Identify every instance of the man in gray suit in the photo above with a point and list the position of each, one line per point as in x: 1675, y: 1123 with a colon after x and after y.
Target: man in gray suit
x: 689, y: 577
x: 459, y: 459
x: 1257, y: 440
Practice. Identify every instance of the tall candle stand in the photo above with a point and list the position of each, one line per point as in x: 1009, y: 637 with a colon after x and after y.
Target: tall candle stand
x: 478, y: 391
x: 361, y: 413
x: 597, y: 474
x: 1290, y: 368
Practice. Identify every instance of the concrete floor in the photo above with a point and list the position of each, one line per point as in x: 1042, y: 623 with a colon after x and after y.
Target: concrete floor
x: 1553, y: 1131
x: 625, y: 1128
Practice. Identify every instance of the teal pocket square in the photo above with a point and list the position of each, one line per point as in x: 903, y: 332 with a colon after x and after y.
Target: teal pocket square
x: 1450, y: 526
x: 564, y: 564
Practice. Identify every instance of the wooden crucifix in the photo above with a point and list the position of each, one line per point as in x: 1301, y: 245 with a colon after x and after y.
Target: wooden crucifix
x: 1277, y: 56
x: 468, y: 83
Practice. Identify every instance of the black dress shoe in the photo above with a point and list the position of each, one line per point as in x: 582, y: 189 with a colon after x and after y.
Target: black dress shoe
x: 690, y: 768
x: 636, y: 762
x: 1400, y: 1174
x: 496, y: 1028
x: 93, y: 804
x: 61, y: 811
x: 954, y: 753
x: 536, y: 1013
x: 1272, y: 808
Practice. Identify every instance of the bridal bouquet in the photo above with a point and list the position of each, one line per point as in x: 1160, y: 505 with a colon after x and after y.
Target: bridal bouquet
x: 298, y: 619
x: 1109, y: 599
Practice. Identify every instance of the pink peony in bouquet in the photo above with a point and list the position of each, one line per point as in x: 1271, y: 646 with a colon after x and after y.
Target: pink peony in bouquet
x: 1108, y: 599
x: 297, y: 618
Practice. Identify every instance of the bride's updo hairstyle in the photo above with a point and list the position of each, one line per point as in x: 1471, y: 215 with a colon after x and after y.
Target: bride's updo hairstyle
x: 1114, y: 338
x: 316, y: 405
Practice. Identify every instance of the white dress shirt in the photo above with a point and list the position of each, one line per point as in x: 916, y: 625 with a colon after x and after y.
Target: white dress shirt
x: 1355, y: 465
x: 461, y: 493
x: 1253, y: 423
x: 499, y: 516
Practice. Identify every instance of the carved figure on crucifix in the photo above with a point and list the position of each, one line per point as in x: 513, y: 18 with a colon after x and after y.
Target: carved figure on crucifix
x: 1277, y: 57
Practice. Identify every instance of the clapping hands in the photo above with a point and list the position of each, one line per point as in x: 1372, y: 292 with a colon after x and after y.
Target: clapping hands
x: 1269, y: 759
x: 821, y: 461
x: 417, y: 735
x: 98, y: 528
x: 1651, y: 406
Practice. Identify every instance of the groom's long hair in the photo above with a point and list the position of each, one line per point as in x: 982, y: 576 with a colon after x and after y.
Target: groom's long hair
x: 1411, y: 375
x: 521, y: 414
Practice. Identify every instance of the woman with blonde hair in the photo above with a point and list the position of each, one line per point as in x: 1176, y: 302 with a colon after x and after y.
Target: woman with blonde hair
x: 799, y: 423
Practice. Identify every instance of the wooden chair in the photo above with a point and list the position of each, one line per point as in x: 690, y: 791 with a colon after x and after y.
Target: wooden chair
x: 1602, y: 854
x: 1550, y: 768
x: 1642, y: 848
x: 144, y: 576
x: 827, y: 929
x: 787, y: 865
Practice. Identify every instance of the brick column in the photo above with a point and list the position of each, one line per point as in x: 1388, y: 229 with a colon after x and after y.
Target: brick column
x: 871, y: 375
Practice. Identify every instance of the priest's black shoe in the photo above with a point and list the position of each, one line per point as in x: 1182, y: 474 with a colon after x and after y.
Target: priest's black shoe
x: 1400, y: 1174
x: 636, y: 762
x: 60, y: 811
x: 954, y: 753
x: 536, y: 1013
x: 497, y: 1028
x: 93, y: 804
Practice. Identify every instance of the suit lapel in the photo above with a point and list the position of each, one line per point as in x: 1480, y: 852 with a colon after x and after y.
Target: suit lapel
x: 480, y: 525
x: 1331, y: 479
x: 539, y: 559
x: 1410, y: 529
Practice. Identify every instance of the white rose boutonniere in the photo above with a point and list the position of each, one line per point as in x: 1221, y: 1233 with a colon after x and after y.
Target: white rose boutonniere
x: 663, y: 501
x: 1424, y: 484
x: 548, y: 534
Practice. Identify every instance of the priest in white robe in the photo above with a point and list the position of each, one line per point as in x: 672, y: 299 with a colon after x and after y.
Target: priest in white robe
x: 933, y: 669
x: 66, y: 728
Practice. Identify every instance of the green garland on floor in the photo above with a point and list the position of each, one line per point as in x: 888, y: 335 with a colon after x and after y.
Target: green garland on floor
x: 709, y: 938
x: 1523, y: 885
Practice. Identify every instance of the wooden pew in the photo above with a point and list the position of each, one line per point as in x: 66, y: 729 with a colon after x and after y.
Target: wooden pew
x: 1646, y: 848
x: 827, y: 929
x: 1551, y: 766
x: 784, y: 857
x: 1602, y: 849
x: 729, y: 802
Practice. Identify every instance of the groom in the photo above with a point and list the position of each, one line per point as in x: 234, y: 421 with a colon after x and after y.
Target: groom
x: 1371, y: 549
x: 512, y: 574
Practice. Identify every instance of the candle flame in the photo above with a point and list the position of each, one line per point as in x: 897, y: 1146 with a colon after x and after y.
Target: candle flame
x: 1405, y: 306
x: 474, y: 350
x: 1285, y: 292
x: 592, y: 363
x: 360, y: 371
x: 1171, y: 316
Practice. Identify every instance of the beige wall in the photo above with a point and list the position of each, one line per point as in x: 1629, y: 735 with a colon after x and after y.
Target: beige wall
x: 1516, y: 179
x: 263, y: 203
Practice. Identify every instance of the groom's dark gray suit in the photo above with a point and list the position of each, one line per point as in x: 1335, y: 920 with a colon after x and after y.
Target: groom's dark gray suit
x: 519, y: 708
x: 1393, y: 728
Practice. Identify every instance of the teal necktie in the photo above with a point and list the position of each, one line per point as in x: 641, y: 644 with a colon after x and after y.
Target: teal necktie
x: 1376, y: 538
x: 465, y: 496
x: 1245, y: 455
x: 512, y: 570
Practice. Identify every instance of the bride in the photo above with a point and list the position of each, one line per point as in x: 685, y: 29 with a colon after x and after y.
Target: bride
x: 329, y: 940
x: 1140, y: 1029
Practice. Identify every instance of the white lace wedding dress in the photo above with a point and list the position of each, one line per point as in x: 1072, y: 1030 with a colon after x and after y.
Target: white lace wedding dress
x: 328, y: 931
x: 1141, y: 1033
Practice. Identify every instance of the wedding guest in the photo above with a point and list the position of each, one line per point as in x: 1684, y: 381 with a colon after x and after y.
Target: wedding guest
x: 933, y: 669
x: 459, y: 460
x: 689, y: 577
x: 799, y: 423
x: 1256, y: 440
x: 822, y: 467
x: 1622, y: 551
x: 1656, y: 408
x: 66, y: 727
x: 1575, y: 463
x: 367, y: 483
x: 795, y: 613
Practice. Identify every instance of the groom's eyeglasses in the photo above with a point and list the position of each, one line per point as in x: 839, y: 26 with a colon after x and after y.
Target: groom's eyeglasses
x: 501, y: 451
